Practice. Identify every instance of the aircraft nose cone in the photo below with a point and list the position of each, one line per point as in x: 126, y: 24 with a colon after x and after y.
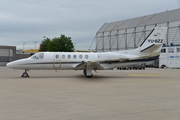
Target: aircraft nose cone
x: 9, y: 65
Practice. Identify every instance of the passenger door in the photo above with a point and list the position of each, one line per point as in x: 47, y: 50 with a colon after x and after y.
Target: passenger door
x: 57, y: 60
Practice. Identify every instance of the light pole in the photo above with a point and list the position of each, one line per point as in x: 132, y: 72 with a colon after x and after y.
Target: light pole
x: 35, y: 44
x: 74, y: 46
x: 23, y: 46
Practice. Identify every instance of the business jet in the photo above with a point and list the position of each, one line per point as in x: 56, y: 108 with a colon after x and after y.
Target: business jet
x: 87, y: 62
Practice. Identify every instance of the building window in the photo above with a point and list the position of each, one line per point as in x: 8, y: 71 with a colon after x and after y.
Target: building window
x: 163, y: 50
x: 171, y: 50
x: 178, y: 49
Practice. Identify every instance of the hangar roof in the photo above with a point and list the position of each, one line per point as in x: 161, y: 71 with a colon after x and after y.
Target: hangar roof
x: 157, y: 18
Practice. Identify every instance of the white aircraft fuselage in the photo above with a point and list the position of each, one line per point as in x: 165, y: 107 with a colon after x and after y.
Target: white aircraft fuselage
x: 69, y: 60
x: 149, y: 50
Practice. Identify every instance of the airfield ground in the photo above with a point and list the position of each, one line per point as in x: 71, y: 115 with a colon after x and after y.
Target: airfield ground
x: 151, y: 94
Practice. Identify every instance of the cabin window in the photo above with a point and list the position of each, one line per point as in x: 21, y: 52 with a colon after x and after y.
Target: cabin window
x: 34, y: 56
x: 38, y: 56
x: 80, y: 56
x: 69, y: 56
x: 41, y: 55
x: 63, y: 56
x: 74, y: 56
x: 57, y: 56
x: 86, y: 56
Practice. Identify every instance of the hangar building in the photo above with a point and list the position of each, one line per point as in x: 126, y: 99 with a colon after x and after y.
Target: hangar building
x: 130, y: 33
x: 9, y: 53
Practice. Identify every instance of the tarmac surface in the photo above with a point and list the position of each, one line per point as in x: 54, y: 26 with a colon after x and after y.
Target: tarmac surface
x: 151, y: 94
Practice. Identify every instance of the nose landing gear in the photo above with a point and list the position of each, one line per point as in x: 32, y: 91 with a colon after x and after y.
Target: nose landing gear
x: 88, y: 73
x: 25, y: 74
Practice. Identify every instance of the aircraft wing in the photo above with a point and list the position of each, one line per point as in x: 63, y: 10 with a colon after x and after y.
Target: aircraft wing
x: 89, y: 64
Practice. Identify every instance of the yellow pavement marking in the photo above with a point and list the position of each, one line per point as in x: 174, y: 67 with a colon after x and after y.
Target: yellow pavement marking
x: 140, y: 74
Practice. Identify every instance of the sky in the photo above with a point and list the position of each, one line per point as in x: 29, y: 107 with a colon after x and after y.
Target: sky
x: 24, y: 23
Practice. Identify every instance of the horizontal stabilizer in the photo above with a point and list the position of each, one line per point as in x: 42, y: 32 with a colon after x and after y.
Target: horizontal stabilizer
x: 152, y: 47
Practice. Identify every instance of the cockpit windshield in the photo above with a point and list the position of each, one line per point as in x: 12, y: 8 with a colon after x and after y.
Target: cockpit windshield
x: 38, y: 56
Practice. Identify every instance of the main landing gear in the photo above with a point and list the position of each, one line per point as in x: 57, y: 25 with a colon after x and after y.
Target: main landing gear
x: 25, y: 74
x: 88, y: 73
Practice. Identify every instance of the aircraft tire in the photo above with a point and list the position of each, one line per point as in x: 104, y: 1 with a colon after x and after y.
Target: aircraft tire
x: 84, y: 72
x: 89, y: 76
x: 25, y: 74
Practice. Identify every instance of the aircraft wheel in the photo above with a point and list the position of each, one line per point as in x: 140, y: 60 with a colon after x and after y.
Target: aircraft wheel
x: 84, y: 72
x: 89, y: 76
x: 25, y: 74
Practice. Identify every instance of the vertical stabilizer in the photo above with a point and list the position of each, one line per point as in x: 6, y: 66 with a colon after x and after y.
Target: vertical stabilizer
x: 154, y: 40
